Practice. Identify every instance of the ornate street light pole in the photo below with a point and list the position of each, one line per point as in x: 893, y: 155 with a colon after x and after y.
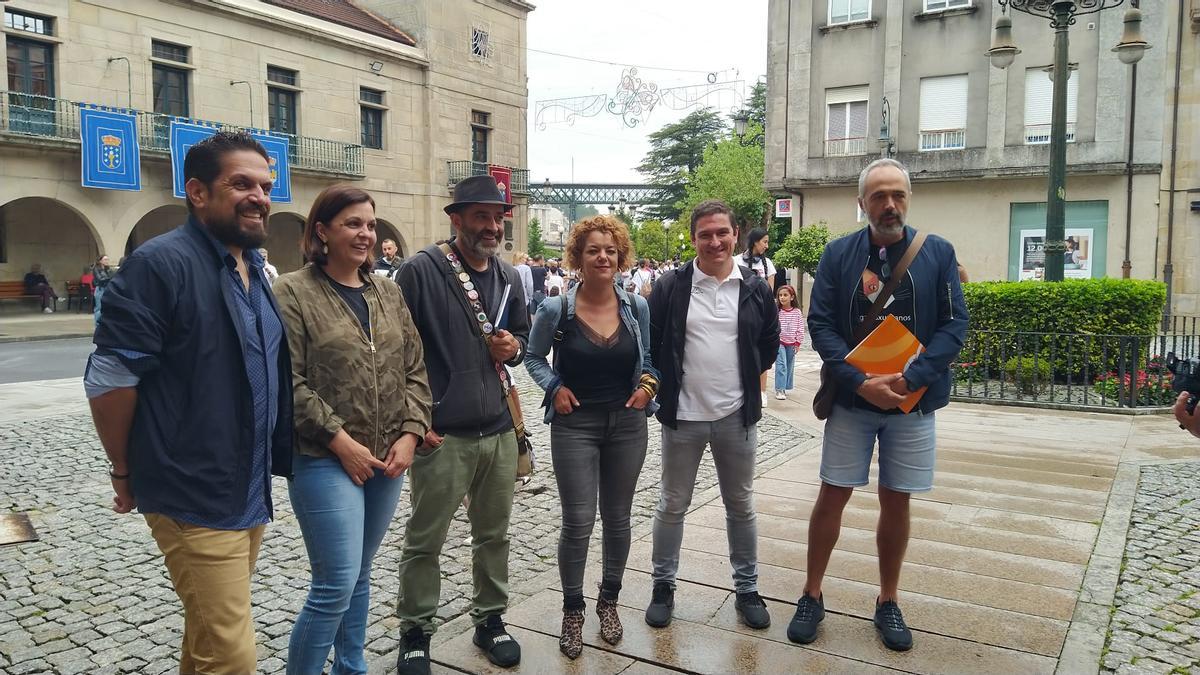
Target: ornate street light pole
x: 1062, y: 15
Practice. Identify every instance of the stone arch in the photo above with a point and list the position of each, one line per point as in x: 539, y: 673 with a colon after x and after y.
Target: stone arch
x: 283, y: 241
x: 49, y: 232
x: 386, y: 230
x: 156, y: 221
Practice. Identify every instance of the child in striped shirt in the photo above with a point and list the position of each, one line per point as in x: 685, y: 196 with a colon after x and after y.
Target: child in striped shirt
x: 791, y: 335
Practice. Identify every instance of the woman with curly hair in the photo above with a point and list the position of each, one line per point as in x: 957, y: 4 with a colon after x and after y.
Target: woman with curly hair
x: 599, y: 392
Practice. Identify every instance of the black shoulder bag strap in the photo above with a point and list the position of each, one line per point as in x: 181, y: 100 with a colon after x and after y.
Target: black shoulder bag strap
x: 559, y: 329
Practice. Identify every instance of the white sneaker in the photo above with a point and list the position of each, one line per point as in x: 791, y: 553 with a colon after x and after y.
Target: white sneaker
x: 779, y: 395
x: 764, y: 399
x: 47, y: 310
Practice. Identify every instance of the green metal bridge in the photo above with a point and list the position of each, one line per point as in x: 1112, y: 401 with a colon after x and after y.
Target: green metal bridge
x: 573, y: 195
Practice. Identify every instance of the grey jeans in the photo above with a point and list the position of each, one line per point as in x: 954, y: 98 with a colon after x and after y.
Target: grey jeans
x: 596, y: 453
x: 733, y: 450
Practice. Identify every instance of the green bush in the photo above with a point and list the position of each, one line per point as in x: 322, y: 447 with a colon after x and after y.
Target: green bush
x: 1028, y: 373
x: 1030, y: 318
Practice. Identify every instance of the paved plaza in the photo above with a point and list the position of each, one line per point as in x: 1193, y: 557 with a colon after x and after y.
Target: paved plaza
x: 1018, y: 560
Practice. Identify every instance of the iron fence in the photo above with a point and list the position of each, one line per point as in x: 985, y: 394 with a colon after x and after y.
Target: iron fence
x: 1071, y: 369
x: 459, y: 170
x: 55, y: 118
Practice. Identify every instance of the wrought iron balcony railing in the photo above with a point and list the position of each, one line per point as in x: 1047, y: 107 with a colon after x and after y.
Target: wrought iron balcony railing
x: 845, y: 147
x: 943, y: 139
x: 55, y: 118
x: 1039, y: 134
x: 459, y: 170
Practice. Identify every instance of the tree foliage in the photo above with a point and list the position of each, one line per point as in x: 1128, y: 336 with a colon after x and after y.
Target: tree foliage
x: 651, y: 240
x: 756, y: 106
x: 803, y: 248
x: 679, y: 241
x: 535, y: 245
x: 733, y: 173
x: 676, y: 151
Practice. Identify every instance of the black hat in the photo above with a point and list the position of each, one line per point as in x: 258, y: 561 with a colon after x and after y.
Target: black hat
x: 476, y: 190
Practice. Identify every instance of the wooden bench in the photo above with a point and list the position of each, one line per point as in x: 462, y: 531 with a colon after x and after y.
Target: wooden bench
x: 15, y: 290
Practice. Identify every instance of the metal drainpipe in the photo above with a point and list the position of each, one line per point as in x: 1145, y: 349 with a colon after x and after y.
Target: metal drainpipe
x: 1168, y: 268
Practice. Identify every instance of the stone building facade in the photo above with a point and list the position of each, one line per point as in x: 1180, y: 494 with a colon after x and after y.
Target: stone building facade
x: 975, y: 137
x: 400, y: 97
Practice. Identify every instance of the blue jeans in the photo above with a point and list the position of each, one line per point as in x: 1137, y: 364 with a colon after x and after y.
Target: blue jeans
x: 785, y: 363
x: 907, y: 449
x: 342, y: 525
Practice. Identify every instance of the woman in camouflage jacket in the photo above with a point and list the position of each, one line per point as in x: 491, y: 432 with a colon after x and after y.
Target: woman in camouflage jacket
x: 362, y: 404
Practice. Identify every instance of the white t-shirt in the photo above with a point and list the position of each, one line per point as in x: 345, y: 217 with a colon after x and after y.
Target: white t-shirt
x: 764, y: 268
x: 642, y: 277
x: 710, y: 354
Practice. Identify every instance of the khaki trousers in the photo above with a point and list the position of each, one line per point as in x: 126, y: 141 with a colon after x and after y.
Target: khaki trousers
x: 210, y: 570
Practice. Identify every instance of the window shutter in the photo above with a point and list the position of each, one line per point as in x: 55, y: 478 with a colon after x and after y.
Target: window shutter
x: 1039, y: 96
x: 846, y: 94
x: 857, y: 126
x: 944, y: 103
x: 837, y: 121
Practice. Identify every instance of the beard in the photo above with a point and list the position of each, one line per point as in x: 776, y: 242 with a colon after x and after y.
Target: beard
x: 893, y: 227
x: 229, y: 232
x: 476, y: 245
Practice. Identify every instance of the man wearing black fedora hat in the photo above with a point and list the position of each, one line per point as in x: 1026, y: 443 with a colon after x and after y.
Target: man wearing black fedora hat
x: 470, y: 309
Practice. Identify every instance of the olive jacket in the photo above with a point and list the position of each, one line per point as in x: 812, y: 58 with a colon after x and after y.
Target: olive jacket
x: 373, y: 386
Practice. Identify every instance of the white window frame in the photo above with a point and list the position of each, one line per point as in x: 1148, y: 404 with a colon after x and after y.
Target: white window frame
x: 846, y: 146
x: 850, y: 17
x: 945, y: 136
x: 1038, y: 132
x: 943, y: 5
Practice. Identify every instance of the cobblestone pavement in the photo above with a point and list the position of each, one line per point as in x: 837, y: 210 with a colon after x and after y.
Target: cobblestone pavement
x: 92, y: 596
x: 1155, y: 626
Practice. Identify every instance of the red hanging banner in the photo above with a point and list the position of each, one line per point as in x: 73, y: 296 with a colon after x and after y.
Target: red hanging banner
x: 503, y: 176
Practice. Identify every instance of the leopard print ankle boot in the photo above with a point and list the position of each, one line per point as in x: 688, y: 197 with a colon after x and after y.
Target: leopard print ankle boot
x: 570, y: 642
x: 610, y: 621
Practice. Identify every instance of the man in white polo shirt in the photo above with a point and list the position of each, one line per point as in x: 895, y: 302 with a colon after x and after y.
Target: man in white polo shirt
x: 712, y: 323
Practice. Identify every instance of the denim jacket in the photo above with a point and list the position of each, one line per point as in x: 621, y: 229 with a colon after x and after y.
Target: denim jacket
x: 635, y: 317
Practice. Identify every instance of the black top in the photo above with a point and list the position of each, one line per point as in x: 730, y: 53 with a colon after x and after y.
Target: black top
x: 597, y: 369
x: 539, y: 278
x: 491, y: 289
x: 358, y: 303
x: 874, y: 277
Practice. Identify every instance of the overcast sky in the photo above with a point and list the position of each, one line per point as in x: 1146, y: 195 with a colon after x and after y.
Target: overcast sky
x: 695, y: 35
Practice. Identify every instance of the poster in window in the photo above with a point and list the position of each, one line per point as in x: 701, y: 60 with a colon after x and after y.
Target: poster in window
x: 1077, y: 258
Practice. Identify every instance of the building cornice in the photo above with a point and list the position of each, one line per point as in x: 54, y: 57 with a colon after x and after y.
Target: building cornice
x: 999, y: 173
x: 323, y: 30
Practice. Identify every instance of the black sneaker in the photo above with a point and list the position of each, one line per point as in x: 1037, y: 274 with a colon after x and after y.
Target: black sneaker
x: 809, y: 612
x: 501, y: 648
x: 413, y: 658
x: 752, y: 610
x: 890, y: 623
x: 658, y: 614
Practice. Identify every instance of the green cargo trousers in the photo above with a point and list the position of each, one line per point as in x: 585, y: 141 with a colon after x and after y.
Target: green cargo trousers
x: 485, y: 469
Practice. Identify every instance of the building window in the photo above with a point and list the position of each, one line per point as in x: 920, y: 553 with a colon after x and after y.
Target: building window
x: 481, y: 128
x: 31, y: 106
x: 846, y: 121
x: 943, y: 113
x: 169, y: 52
x: 938, y: 5
x: 481, y: 43
x: 281, y: 101
x: 30, y: 23
x: 846, y: 11
x: 1039, y: 104
x: 371, y: 117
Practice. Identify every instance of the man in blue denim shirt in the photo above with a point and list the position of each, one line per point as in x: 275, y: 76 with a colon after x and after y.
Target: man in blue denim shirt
x: 190, y: 390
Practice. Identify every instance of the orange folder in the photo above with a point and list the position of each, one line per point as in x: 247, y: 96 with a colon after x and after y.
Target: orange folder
x: 890, y: 348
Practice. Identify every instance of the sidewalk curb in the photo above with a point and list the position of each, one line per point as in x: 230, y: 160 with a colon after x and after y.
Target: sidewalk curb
x: 42, y: 338
x: 1088, y: 631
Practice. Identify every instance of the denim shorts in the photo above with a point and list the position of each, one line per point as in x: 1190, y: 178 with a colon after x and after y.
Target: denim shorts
x: 906, y: 449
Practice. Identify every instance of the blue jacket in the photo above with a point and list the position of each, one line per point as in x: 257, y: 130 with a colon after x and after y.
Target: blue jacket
x: 940, y: 316
x: 635, y: 317
x: 193, y: 429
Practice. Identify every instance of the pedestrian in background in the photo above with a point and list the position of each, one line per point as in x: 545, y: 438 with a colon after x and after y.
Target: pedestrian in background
x: 599, y: 392
x: 755, y: 259
x: 791, y: 336
x: 362, y: 406
x: 37, y: 284
x: 190, y: 388
x: 102, y: 273
x: 268, y: 268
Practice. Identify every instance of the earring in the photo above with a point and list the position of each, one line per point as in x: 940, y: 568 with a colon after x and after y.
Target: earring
x: 324, y: 248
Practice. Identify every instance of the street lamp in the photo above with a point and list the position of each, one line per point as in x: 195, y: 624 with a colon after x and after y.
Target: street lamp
x: 741, y: 121
x: 1061, y: 13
